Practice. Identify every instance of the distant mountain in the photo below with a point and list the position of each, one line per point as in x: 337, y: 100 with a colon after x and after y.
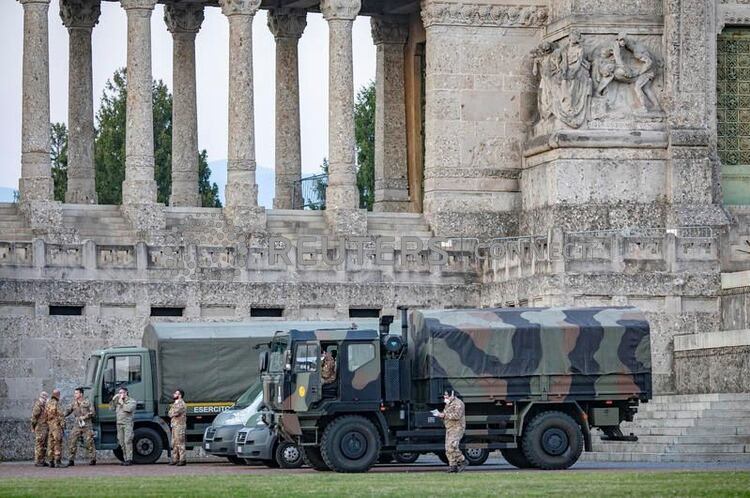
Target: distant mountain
x: 264, y: 177
x: 6, y: 194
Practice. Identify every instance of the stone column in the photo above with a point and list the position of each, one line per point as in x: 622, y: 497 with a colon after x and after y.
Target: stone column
x: 391, y: 182
x: 80, y: 17
x: 287, y: 26
x: 184, y: 21
x: 342, y: 196
x: 36, y: 173
x: 241, y: 190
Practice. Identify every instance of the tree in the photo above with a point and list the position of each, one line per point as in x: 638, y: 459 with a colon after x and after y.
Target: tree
x: 110, y: 145
x: 58, y: 153
x: 364, y: 133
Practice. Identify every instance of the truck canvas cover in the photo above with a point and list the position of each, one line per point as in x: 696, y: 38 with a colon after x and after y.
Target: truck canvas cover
x: 516, y: 352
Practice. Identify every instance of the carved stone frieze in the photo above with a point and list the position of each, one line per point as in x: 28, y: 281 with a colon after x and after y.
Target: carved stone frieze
x: 183, y: 18
x: 437, y: 13
x: 80, y: 13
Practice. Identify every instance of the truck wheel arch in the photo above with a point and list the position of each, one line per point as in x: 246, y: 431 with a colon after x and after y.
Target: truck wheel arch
x: 572, y: 408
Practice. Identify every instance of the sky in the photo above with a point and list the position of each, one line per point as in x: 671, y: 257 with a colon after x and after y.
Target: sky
x: 212, y: 53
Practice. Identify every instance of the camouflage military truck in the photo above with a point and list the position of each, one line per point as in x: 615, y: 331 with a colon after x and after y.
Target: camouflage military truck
x: 534, y: 382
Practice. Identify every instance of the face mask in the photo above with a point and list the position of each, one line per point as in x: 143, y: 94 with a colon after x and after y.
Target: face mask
x: 174, y: 396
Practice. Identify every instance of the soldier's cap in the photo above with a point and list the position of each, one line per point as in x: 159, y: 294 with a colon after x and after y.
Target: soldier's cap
x: 44, y: 394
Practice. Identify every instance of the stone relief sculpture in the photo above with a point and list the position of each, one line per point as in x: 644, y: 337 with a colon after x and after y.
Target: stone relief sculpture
x: 605, y: 81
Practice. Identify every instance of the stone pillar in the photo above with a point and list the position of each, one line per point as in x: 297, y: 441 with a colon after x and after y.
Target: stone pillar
x: 342, y: 196
x: 139, y: 187
x: 80, y: 17
x: 184, y: 21
x: 391, y: 181
x: 36, y: 174
x: 287, y: 26
x: 241, y: 190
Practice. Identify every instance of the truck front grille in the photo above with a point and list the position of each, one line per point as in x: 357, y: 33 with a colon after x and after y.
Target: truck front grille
x: 210, y: 433
x: 241, y: 436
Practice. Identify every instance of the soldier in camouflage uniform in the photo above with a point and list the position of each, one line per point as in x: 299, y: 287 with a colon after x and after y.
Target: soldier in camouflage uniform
x: 328, y: 368
x: 455, y: 425
x: 178, y: 418
x: 56, y: 423
x: 124, y: 407
x: 39, y: 429
x: 83, y: 412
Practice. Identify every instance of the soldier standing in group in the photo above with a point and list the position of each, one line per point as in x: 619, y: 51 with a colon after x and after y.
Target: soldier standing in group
x: 455, y: 425
x: 40, y: 429
x: 124, y: 407
x: 56, y: 423
x: 83, y: 413
x: 178, y: 418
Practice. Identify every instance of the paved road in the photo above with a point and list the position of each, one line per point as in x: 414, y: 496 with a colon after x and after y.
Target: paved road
x: 425, y: 464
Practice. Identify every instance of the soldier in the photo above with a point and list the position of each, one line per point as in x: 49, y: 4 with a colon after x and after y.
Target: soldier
x: 124, y: 407
x: 83, y: 413
x: 56, y: 423
x: 177, y: 415
x: 328, y: 368
x: 455, y: 425
x: 40, y: 429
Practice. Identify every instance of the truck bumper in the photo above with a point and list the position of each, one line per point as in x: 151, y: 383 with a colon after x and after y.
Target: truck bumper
x: 257, y: 444
x: 219, y: 441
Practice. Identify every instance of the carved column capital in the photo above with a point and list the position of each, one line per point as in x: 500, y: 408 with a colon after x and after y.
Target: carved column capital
x: 25, y: 2
x: 138, y: 4
x: 287, y: 23
x: 340, y: 9
x: 388, y: 29
x: 80, y: 13
x: 183, y: 18
x: 239, y: 7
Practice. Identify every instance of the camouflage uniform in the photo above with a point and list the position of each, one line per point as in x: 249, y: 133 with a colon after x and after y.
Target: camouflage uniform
x: 40, y: 428
x: 455, y: 424
x: 82, y: 411
x: 56, y: 422
x: 125, y: 409
x: 177, y: 414
x: 328, y: 369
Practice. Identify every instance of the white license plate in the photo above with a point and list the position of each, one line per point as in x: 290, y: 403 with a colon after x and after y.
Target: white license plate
x: 208, y: 446
x: 239, y: 450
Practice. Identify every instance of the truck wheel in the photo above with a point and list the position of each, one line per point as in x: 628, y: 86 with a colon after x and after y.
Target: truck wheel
x: 312, y: 458
x: 147, y: 445
x: 288, y: 455
x: 552, y: 441
x: 119, y: 454
x: 407, y: 457
x: 476, y: 456
x: 516, y: 458
x: 236, y: 460
x: 350, y: 444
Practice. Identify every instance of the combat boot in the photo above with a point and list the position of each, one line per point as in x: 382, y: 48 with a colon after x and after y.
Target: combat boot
x: 128, y: 463
x: 452, y: 469
x: 52, y: 464
x: 461, y: 466
x: 71, y: 463
x: 92, y: 462
x: 172, y: 462
x: 181, y: 463
x: 59, y: 464
x: 41, y: 464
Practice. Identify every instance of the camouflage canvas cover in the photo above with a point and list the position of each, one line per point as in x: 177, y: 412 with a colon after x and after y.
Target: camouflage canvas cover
x: 507, y: 351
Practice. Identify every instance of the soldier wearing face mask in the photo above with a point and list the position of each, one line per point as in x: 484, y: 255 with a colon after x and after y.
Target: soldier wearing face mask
x: 455, y: 425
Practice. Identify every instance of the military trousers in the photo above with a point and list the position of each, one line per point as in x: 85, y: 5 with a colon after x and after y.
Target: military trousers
x: 452, y: 446
x: 40, y: 442
x: 125, y: 440
x: 178, y: 443
x: 54, y: 443
x: 84, y: 435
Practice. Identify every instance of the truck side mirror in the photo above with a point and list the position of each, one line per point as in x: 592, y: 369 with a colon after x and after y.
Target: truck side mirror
x: 263, y: 361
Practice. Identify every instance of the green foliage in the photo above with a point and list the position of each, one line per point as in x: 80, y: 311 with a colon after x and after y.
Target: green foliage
x: 319, y: 187
x: 162, y: 141
x: 208, y: 191
x: 364, y: 132
x: 58, y: 153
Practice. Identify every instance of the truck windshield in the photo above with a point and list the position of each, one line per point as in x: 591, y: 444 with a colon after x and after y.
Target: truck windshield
x: 276, y: 359
x: 91, y: 365
x: 249, y: 396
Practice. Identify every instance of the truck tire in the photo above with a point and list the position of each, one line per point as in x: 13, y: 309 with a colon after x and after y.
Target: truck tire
x: 476, y: 456
x: 350, y: 444
x: 288, y: 455
x: 312, y: 458
x: 407, y: 457
x: 516, y: 458
x: 552, y: 441
x: 119, y: 454
x: 147, y: 445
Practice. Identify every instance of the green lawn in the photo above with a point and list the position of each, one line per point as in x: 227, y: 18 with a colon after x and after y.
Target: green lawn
x: 473, y: 484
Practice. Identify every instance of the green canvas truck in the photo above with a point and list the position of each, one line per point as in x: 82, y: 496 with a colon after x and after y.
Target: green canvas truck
x: 534, y: 382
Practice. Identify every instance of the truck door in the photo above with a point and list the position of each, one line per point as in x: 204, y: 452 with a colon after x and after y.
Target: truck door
x: 360, y: 372
x: 121, y: 371
x: 306, y: 376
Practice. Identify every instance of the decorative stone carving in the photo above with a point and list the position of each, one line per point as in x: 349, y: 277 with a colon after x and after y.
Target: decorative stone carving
x: 287, y: 23
x: 138, y: 4
x: 80, y: 13
x: 388, y: 29
x: 239, y: 7
x: 183, y: 18
x: 340, y: 9
x: 436, y: 13
x: 592, y: 83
